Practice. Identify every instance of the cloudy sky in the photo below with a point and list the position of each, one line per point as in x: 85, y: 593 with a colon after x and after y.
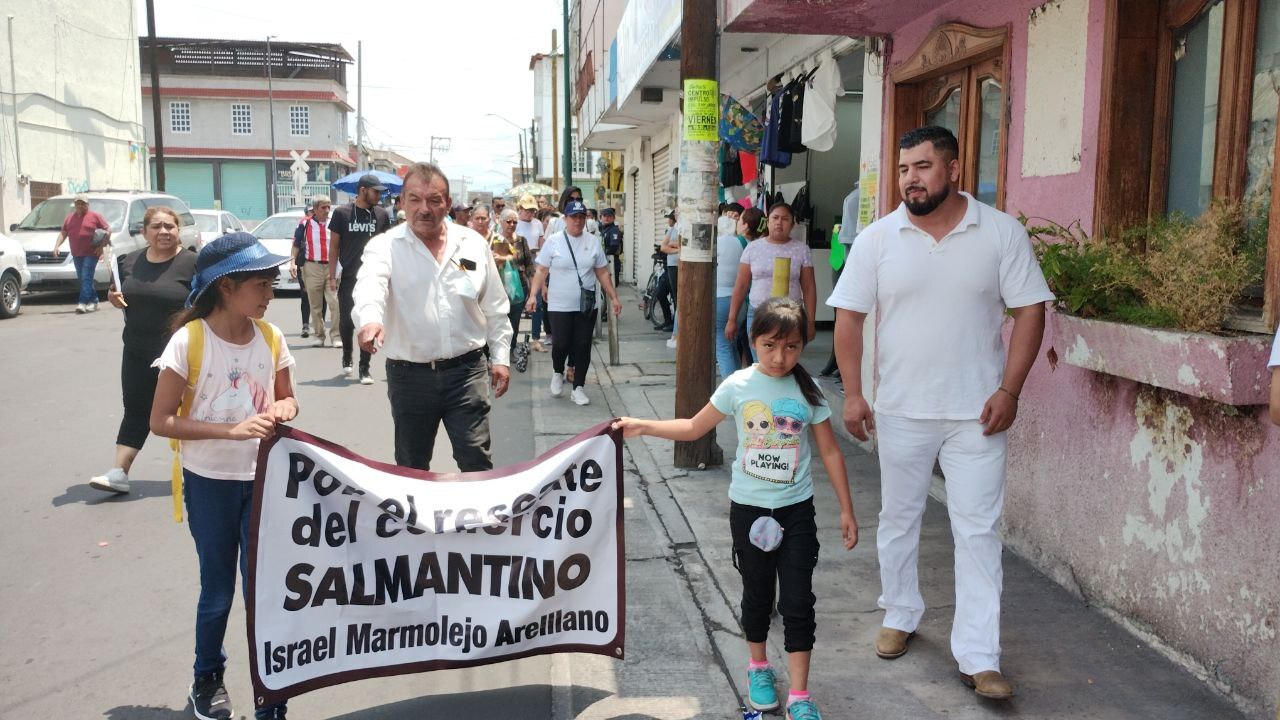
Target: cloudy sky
x: 430, y: 67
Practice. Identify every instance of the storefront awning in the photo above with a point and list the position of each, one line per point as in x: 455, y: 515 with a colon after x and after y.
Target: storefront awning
x: 824, y: 17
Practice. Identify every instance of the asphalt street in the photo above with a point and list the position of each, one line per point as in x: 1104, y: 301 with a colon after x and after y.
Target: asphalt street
x: 98, y: 592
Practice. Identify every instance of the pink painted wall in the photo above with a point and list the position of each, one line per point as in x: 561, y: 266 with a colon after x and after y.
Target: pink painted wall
x: 1161, y: 506
x: 1063, y: 198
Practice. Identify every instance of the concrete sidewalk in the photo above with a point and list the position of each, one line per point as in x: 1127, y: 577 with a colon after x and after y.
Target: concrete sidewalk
x: 1066, y: 659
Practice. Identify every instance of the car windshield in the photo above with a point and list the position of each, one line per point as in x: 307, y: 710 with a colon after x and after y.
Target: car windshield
x: 207, y: 223
x: 278, y: 227
x: 49, y: 214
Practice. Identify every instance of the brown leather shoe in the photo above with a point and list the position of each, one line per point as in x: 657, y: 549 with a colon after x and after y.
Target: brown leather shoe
x: 989, y: 684
x: 892, y: 643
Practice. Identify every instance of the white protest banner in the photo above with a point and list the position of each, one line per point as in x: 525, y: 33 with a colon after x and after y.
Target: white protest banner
x: 361, y: 569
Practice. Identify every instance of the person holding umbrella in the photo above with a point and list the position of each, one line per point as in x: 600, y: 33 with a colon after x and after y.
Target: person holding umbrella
x: 349, y: 231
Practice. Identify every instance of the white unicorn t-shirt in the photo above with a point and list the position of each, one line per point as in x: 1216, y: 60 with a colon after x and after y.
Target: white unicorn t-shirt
x: 236, y: 382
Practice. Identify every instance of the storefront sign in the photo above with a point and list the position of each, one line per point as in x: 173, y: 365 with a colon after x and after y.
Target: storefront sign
x: 701, y: 110
x: 647, y: 27
x: 361, y: 569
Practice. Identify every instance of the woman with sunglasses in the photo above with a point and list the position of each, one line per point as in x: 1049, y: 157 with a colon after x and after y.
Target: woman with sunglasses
x: 507, y: 247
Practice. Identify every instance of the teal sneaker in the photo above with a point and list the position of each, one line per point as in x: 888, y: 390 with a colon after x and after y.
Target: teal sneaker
x: 803, y: 710
x: 761, y: 693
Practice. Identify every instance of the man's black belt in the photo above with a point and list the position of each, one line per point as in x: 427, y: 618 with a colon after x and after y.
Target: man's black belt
x: 463, y: 359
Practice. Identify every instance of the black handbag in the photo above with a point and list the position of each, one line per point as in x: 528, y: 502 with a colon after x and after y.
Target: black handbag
x: 586, y: 298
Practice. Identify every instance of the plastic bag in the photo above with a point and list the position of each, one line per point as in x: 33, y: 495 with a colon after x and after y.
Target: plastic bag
x: 511, y: 281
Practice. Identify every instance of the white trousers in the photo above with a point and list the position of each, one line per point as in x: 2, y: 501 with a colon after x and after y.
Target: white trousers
x: 974, y: 467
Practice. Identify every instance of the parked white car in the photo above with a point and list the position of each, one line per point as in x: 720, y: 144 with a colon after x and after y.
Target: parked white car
x: 14, y: 276
x: 276, y: 232
x: 213, y: 224
x: 123, y: 211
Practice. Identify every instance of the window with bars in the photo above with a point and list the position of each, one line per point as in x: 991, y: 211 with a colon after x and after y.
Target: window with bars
x: 180, y: 117
x: 582, y: 160
x: 299, y: 120
x: 241, y: 119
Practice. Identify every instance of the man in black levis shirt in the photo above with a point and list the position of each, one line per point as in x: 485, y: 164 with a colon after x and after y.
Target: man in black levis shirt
x: 350, y: 229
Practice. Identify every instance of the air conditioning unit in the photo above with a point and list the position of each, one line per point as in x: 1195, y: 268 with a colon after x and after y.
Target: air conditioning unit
x: 651, y: 95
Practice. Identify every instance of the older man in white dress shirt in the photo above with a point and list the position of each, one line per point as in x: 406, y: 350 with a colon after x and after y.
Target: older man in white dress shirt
x: 430, y: 290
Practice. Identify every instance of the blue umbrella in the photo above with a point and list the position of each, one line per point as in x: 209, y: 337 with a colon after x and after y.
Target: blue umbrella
x: 348, y: 184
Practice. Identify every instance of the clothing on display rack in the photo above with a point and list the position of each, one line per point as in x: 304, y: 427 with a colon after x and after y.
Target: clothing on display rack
x: 771, y: 151
x: 739, y: 126
x: 824, y: 86
x: 730, y: 166
x: 792, y: 113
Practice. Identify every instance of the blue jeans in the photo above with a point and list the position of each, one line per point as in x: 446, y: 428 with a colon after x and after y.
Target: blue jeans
x: 726, y: 350
x: 751, y: 316
x: 85, y: 267
x: 218, y: 517
x: 540, y: 317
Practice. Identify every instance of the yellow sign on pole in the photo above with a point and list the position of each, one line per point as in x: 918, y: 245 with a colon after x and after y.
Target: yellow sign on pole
x: 702, y: 110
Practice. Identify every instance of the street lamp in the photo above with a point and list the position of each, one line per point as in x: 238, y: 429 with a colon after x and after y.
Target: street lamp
x: 524, y: 176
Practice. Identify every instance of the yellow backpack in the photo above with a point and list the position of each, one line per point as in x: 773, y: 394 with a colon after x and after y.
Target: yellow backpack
x: 195, y: 356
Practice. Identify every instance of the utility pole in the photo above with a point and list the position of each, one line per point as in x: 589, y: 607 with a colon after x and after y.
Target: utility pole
x: 440, y: 144
x: 568, y: 112
x: 523, y: 177
x: 555, y: 142
x: 359, y: 105
x: 695, y: 374
x: 271, y: 122
x: 155, y: 92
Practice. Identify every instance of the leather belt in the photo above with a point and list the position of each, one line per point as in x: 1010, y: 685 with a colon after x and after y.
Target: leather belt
x: 463, y: 359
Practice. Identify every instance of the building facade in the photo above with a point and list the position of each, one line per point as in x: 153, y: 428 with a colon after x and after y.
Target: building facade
x: 71, y: 119
x: 547, y: 132
x: 1142, y: 467
x: 217, y: 121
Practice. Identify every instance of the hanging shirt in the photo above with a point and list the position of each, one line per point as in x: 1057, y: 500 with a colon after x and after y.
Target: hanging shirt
x: 819, y: 129
x: 791, y: 116
x: 849, y: 217
x: 771, y: 152
x: 316, y: 241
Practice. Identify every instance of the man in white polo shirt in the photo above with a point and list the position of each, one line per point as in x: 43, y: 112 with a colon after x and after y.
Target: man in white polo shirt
x: 942, y: 268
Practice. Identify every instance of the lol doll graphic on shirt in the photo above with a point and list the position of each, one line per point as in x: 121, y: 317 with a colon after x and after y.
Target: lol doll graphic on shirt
x: 771, y: 446
x: 242, y: 398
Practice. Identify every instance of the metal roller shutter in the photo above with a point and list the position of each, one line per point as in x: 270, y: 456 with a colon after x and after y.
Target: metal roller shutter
x: 244, y: 190
x: 191, y: 182
x: 662, y: 200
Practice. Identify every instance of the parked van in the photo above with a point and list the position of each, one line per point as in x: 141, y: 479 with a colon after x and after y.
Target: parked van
x: 122, y: 210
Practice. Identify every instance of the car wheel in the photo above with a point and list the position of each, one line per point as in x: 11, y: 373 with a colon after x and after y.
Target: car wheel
x: 10, y: 295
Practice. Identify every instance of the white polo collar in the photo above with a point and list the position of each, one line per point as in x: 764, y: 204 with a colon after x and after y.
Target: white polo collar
x: 902, y: 220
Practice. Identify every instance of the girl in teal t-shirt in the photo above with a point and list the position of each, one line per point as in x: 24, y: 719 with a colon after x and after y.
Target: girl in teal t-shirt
x: 778, y: 409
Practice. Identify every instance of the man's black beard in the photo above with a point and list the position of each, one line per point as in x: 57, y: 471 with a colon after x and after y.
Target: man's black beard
x: 929, y: 203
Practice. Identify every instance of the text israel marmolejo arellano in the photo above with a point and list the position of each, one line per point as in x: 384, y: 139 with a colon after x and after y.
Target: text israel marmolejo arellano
x: 362, y: 569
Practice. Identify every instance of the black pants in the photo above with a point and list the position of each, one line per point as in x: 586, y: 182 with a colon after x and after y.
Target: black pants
x: 667, y: 293
x: 138, y: 386
x: 422, y: 398
x: 789, y: 567
x: 347, y: 326
x: 517, y: 309
x: 571, y: 339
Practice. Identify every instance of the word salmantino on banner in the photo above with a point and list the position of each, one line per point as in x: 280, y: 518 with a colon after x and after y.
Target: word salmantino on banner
x: 360, y: 569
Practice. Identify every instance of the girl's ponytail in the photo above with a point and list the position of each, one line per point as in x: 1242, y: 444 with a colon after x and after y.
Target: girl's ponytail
x: 808, y: 387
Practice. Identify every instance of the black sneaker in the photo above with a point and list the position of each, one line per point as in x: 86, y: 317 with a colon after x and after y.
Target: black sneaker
x: 209, y: 698
x: 306, y: 331
x: 275, y: 712
x: 365, y: 378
